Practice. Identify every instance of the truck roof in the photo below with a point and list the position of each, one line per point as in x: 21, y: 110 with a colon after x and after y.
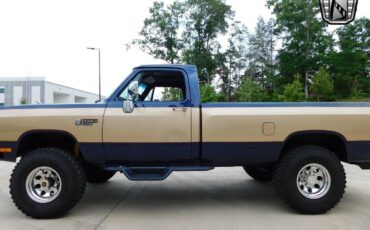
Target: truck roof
x: 179, y: 66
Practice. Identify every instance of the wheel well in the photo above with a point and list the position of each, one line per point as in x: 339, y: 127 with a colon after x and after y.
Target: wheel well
x: 332, y: 141
x: 44, y: 139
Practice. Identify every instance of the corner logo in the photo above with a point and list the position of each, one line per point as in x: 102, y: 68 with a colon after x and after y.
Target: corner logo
x: 338, y: 12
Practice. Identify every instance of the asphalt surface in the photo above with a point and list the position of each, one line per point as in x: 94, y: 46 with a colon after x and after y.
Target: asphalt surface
x: 225, y: 198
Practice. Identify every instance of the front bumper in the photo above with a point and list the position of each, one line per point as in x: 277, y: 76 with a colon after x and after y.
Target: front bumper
x: 8, y: 156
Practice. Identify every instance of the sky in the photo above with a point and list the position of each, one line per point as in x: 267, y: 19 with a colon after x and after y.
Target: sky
x: 48, y: 38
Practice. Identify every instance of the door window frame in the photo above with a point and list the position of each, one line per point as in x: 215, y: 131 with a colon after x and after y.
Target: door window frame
x: 115, y: 102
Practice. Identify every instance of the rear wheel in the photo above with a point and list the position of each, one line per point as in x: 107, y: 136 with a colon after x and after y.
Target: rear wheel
x: 310, y: 179
x: 259, y: 173
x: 46, y: 183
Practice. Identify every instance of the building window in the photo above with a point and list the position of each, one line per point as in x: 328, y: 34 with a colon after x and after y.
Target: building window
x: 36, y: 95
x: 2, y: 96
x: 17, y: 95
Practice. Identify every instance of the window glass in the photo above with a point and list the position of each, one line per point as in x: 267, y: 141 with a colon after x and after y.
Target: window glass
x: 168, y: 94
x: 158, y: 87
x: 2, y: 96
x: 125, y: 95
x: 150, y: 95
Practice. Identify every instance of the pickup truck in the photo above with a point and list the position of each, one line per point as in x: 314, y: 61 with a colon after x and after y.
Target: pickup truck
x: 154, y: 123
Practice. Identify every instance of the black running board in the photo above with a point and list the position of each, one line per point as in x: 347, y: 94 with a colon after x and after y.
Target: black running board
x: 152, y: 173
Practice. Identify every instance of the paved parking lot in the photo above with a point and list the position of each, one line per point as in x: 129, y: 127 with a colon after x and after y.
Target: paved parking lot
x: 225, y: 198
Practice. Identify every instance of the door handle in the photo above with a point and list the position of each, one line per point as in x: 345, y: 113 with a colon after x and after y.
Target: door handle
x: 179, y: 109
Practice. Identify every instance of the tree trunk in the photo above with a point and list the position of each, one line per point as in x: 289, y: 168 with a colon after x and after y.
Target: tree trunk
x: 306, y: 86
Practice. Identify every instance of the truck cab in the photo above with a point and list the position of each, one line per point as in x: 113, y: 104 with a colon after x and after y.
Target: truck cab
x: 163, y: 127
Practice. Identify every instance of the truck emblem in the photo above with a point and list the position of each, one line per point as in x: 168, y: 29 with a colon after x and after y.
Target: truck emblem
x: 338, y: 12
x: 85, y: 122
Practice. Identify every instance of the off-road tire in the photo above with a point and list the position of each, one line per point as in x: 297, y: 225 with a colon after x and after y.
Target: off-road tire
x: 285, y: 179
x: 72, y: 175
x: 259, y: 173
x: 97, y: 175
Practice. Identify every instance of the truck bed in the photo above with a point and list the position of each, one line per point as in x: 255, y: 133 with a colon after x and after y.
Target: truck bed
x: 253, y: 132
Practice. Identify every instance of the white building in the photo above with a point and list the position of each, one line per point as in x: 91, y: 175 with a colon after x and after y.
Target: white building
x: 36, y: 90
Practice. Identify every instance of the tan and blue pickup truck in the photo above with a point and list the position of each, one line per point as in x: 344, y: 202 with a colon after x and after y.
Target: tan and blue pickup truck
x: 154, y: 123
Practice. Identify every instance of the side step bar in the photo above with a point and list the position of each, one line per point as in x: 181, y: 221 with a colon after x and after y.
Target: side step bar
x: 153, y: 173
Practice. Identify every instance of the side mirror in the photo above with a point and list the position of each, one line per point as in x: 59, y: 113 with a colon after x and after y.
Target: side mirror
x: 128, y: 106
x: 133, y: 91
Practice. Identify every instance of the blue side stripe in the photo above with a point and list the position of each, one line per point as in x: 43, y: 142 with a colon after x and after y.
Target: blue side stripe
x: 56, y: 106
x: 190, y: 104
x: 285, y: 104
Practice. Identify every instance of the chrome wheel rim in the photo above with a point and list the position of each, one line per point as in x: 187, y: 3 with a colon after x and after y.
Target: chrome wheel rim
x: 43, y: 184
x: 313, y: 181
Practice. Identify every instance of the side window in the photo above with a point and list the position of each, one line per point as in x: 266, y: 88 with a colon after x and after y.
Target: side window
x: 161, y: 86
x: 150, y: 95
x: 124, y: 96
x: 168, y: 94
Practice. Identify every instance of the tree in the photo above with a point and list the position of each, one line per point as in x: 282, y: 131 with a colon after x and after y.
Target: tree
x: 232, y: 63
x: 237, y: 63
x: 208, y: 93
x: 305, y: 40
x: 249, y: 91
x: 160, y: 36
x: 294, y: 91
x: 351, y: 64
x: 186, y: 31
x: 205, y: 21
x: 322, y: 85
x: 260, y: 56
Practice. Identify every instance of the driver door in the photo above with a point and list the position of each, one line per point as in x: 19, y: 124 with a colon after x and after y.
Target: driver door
x: 158, y: 131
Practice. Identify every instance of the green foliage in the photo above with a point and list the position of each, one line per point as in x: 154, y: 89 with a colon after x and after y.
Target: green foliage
x: 293, y: 92
x: 260, y: 57
x: 23, y: 101
x: 190, y: 31
x: 305, y: 39
x: 186, y: 31
x: 356, y: 89
x: 205, y: 20
x: 208, y: 94
x: 322, y: 85
x: 172, y: 94
x: 351, y: 64
x: 160, y: 36
x: 249, y: 91
x: 232, y: 63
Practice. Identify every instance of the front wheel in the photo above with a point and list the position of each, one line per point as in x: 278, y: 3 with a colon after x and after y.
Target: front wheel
x: 310, y: 179
x: 47, y: 182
